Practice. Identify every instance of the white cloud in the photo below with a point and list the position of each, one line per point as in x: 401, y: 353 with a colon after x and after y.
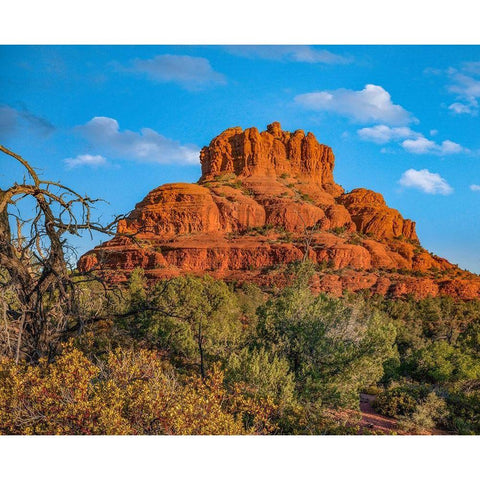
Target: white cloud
x: 413, y: 142
x: 85, y: 160
x: 104, y: 134
x: 192, y: 73
x: 373, y: 103
x: 22, y: 120
x: 384, y: 134
x: 475, y: 188
x: 423, y: 145
x: 462, y: 108
x: 288, y: 53
x: 448, y: 147
x: 425, y: 181
x: 419, y: 145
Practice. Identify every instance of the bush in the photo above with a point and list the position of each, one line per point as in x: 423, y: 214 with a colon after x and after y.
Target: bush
x: 338, y: 230
x: 427, y: 414
x: 400, y: 400
x: 373, y: 390
x: 441, y: 362
x: 265, y: 373
x: 464, y: 409
x: 394, y: 403
x: 129, y: 392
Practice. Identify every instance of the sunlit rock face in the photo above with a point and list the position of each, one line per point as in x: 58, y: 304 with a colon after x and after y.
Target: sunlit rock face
x: 265, y: 200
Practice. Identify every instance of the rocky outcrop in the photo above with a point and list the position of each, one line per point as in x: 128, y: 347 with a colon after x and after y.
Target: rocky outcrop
x: 371, y: 215
x: 265, y: 200
x: 250, y: 153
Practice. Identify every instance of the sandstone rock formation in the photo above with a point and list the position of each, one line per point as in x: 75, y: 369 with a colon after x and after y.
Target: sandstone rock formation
x: 265, y: 200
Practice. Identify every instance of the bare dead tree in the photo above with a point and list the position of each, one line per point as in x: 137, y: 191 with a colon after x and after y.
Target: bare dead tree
x: 37, y: 289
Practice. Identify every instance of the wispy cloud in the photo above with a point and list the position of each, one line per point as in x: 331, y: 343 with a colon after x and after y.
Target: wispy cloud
x: 105, y: 136
x: 382, y: 134
x: 372, y: 104
x: 191, y: 73
x: 13, y: 121
x: 289, y: 53
x: 461, y: 108
x: 410, y: 140
x: 464, y: 83
x: 86, y: 160
x: 475, y: 188
x: 467, y: 89
x: 425, y: 181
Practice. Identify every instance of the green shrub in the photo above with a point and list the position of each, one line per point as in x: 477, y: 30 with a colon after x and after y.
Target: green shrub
x: 373, y: 390
x: 355, y: 240
x: 400, y: 400
x: 338, y: 230
x: 441, y: 362
x: 306, y: 198
x: 267, y: 374
x: 464, y: 409
x: 427, y: 414
x: 394, y: 403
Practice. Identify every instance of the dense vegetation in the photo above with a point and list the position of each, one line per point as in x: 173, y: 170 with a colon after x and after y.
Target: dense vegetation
x: 197, y: 356
x: 435, y: 378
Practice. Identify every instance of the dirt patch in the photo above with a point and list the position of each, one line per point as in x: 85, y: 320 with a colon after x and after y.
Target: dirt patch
x: 373, y: 421
x: 376, y: 423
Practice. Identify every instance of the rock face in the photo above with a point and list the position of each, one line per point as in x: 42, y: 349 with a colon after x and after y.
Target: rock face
x: 265, y: 200
x: 272, y: 153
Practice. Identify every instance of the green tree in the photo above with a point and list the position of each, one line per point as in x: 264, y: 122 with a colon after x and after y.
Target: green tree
x: 334, y: 347
x: 441, y: 362
x: 195, y: 318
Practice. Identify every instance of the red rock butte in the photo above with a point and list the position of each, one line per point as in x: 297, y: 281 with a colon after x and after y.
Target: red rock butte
x: 266, y: 200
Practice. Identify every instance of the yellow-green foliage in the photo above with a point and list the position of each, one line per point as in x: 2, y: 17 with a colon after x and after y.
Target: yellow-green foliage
x: 129, y: 393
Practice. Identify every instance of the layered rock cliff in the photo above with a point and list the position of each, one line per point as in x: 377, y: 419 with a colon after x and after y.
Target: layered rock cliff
x: 265, y: 200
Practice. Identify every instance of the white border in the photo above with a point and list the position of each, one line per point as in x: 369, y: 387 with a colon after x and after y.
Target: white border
x: 239, y: 457
x: 223, y: 22
x: 243, y: 21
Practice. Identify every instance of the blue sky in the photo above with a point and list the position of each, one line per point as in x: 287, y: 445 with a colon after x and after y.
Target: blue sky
x: 118, y: 121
